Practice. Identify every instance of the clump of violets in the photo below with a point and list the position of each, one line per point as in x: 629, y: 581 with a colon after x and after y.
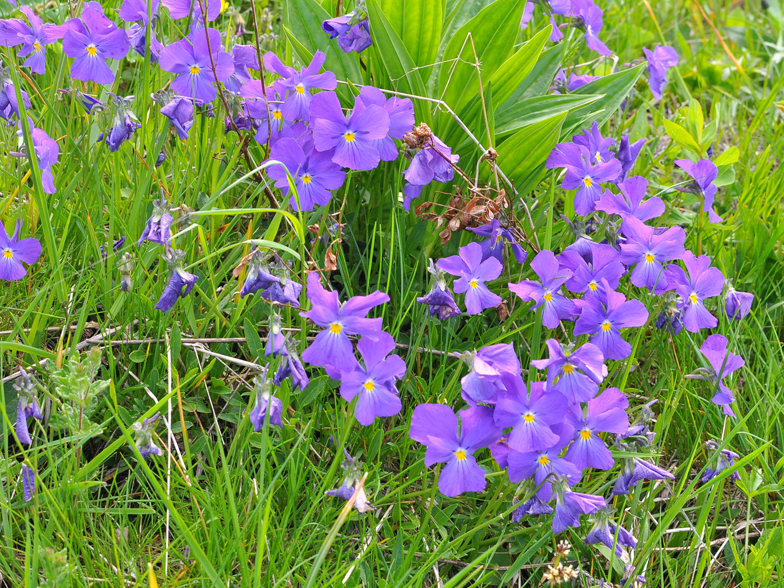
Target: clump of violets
x: 547, y: 294
x: 436, y: 427
x: 722, y: 364
x: 191, y: 59
x: 473, y: 273
x: 703, y: 174
x: 90, y: 40
x: 575, y: 373
x: 158, y: 228
x: 180, y: 282
x: 373, y: 381
x: 433, y: 160
x: 27, y: 406
x: 33, y: 38
x: 265, y: 401
x: 14, y: 251
x: 702, y: 281
x: 351, y: 30
x: 145, y: 432
x: 441, y: 303
x: 497, y: 238
x: 297, y: 86
x: 662, y: 58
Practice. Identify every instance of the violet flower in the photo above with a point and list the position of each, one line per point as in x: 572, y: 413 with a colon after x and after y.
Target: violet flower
x: 180, y: 282
x: 178, y: 110
x: 737, y: 304
x: 47, y: 152
x: 635, y: 471
x: 723, y: 363
x: 702, y: 282
x: 588, y: 18
x: 629, y: 201
x: 436, y: 427
x: 604, y: 531
x: 253, y: 92
x: 724, y: 459
x: 190, y: 59
x: 532, y: 506
x: 588, y: 277
x: 543, y: 465
x: 144, y: 436
x: 245, y: 59
x: 124, y: 121
x: 582, y: 174
x: 265, y: 401
x: 353, y: 474
x: 570, y: 505
x: 28, y: 483
x: 647, y: 251
x: 531, y: 416
x: 158, y: 229
x: 440, y: 300
x: 291, y: 365
x: 494, y: 245
x: 352, y: 31
x: 192, y: 8
x: 473, y: 274
x: 671, y: 317
x: 597, y: 145
x: 33, y: 37
x: 662, y: 58
x: 14, y: 251
x: 604, y: 322
x: 314, y: 173
x: 433, y: 161
x: 332, y: 346
x: 374, y: 382
x: 27, y: 406
x: 579, y: 372
x: 298, y: 84
x: 352, y: 139
x: 575, y: 82
x: 276, y: 342
x: 605, y: 414
x: 90, y: 40
x: 485, y: 368
x: 548, y: 294
x: 704, y: 173
x: 135, y: 11
x: 627, y: 154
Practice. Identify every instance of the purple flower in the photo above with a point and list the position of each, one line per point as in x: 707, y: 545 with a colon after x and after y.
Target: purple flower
x: 597, y: 145
x: 28, y: 482
x: 124, y: 123
x: 436, y: 426
x: 605, y: 530
x: 34, y: 38
x: 91, y: 104
x: 184, y: 8
x: 635, y: 471
x: 179, y: 111
x: 533, y: 506
x: 531, y: 416
x: 548, y: 293
x: 9, y: 107
x: 570, y: 505
x: 486, y: 366
x: 190, y: 59
x: 265, y: 401
x: 704, y: 173
x: 647, y: 251
x: 604, y: 322
x: 543, y: 465
x: 671, y: 316
x: 332, y: 346
x: 158, y: 229
x: 352, y: 139
x: 627, y: 155
x: 276, y: 341
x: 90, y: 40
x: 588, y: 18
x: 144, y: 436
x: 722, y: 363
x: 374, y: 382
x: 579, y: 372
x: 284, y: 290
x: 587, y: 277
x: 440, y: 300
x: 528, y: 14
x: 724, y: 459
x: 660, y: 60
x: 473, y: 274
x: 606, y: 414
x: 575, y: 82
x: 401, y: 119
x: 351, y: 482
x: 629, y: 201
x: 291, y: 365
x: 299, y: 84
x: 135, y: 11
x: 498, y: 236
x: 27, y: 406
x: 314, y: 173
x: 180, y: 282
x: 433, y: 161
x: 14, y: 251
x: 253, y: 92
x: 352, y: 31
x: 582, y: 174
x: 737, y: 304
x: 47, y: 152
x: 702, y: 282
x: 245, y: 59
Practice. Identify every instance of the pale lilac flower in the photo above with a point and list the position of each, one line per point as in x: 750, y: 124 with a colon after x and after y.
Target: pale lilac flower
x: 548, y: 294
x: 662, y: 58
x: 191, y: 59
x: 737, y: 304
x: 583, y: 173
x: 298, y: 85
x: 629, y: 201
x: 723, y: 363
x: 578, y: 372
x: 135, y: 11
x: 473, y: 274
x: 605, y: 264
x: 605, y: 414
x: 401, y: 118
x: 702, y: 281
x: 352, y: 31
x: 704, y: 173
x: 90, y: 40
x: 14, y: 251
x: 588, y: 18
x: 485, y: 368
x: 647, y: 251
x: 33, y: 37
x: 192, y: 8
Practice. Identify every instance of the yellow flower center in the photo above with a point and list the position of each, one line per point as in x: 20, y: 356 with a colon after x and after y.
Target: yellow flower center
x: 306, y: 179
x: 195, y: 70
x: 369, y: 386
x: 91, y: 50
x: 460, y: 455
x: 277, y: 115
x: 567, y: 353
x: 598, y: 158
x: 37, y: 46
x: 649, y: 258
x: 473, y: 283
x: 588, y: 182
x: 300, y: 89
x: 547, y: 296
x: 349, y: 137
x: 693, y: 298
x: 593, y: 286
x: 335, y: 328
x: 568, y: 368
x: 544, y: 460
x: 606, y: 326
x: 8, y: 254
x: 585, y: 434
x: 528, y: 417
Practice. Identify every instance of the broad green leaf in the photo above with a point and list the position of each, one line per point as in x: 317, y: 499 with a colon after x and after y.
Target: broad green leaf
x: 418, y: 23
x: 492, y: 33
x: 514, y: 70
x: 681, y: 136
x: 523, y: 155
x: 533, y: 110
x: 303, y: 20
x: 730, y: 156
x: 615, y: 87
x: 539, y: 80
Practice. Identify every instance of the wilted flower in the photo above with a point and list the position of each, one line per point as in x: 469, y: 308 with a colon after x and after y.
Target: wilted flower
x: 494, y: 245
x: 28, y: 483
x: 126, y: 267
x: 124, y: 121
x: 276, y: 342
x: 724, y: 459
x: 570, y: 505
x: 433, y: 161
x: 440, y: 300
x: 352, y: 479
x: 473, y: 273
x: 671, y: 317
x: 291, y: 365
x: 158, y: 229
x: 245, y: 59
x: 627, y: 155
x: 27, y: 406
x: 737, y: 304
x: 532, y: 506
x: 145, y: 432
x: 135, y: 11
x: 180, y: 282
x: 352, y: 31
x: 635, y: 471
x: 265, y: 401
x: 14, y: 251
x: 604, y: 531
x: 47, y: 152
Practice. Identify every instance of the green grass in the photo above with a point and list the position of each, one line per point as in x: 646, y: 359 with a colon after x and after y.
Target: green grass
x: 226, y: 506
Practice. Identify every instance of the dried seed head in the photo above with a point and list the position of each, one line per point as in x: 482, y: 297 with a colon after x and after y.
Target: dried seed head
x: 419, y: 137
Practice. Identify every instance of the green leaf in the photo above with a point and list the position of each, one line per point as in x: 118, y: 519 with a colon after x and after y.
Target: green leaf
x: 514, y: 70
x: 138, y: 356
x: 729, y: 157
x: 312, y: 392
x: 253, y: 339
x: 533, y: 110
x: 539, y: 80
x: 492, y: 33
x: 682, y: 137
x: 418, y: 24
x: 303, y: 20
